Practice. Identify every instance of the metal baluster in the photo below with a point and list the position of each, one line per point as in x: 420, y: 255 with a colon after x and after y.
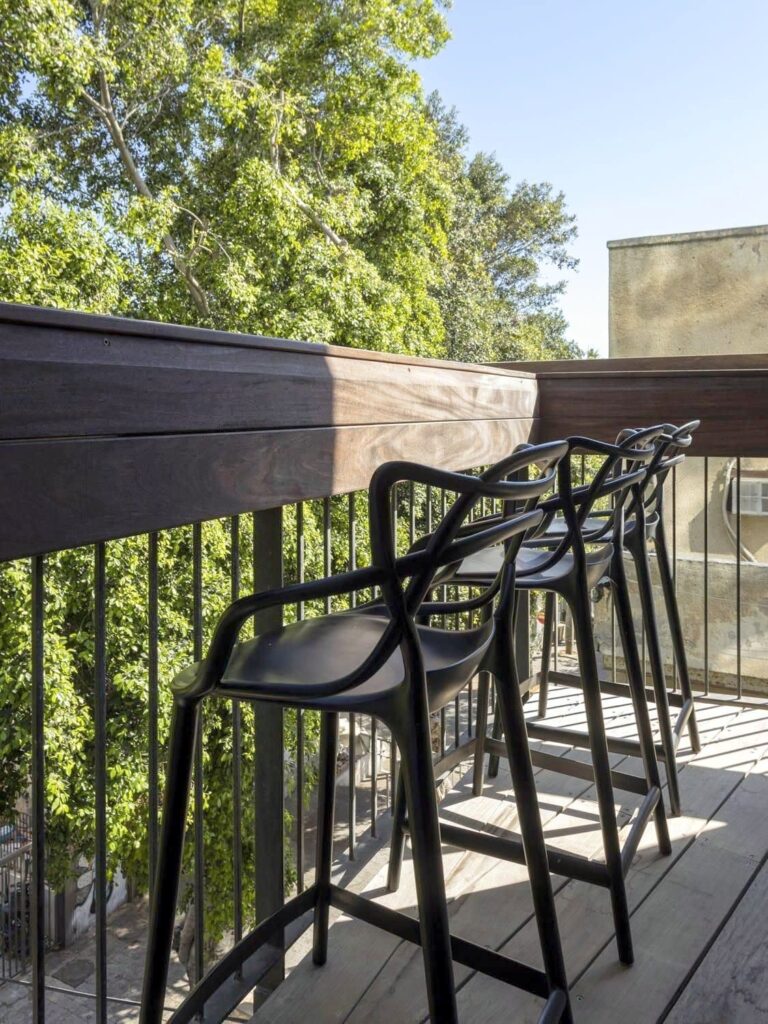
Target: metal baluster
x: 392, y: 745
x: 199, y: 838
x: 443, y: 710
x: 300, y: 567
x: 100, y: 777
x: 268, y: 775
x: 457, y: 700
x: 237, y: 754
x: 38, y: 791
x: 327, y: 548
x: 644, y: 655
x: 153, y: 738
x: 470, y: 593
x: 374, y: 779
x: 352, y: 808
x: 738, y: 577
x: 556, y: 631
x: 412, y: 513
x: 707, y: 576
x: 674, y: 561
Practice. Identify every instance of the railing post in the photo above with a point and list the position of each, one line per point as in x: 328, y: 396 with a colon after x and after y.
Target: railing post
x: 268, y: 774
x: 37, y: 791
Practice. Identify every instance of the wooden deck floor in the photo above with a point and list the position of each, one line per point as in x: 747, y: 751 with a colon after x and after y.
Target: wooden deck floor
x: 699, y: 916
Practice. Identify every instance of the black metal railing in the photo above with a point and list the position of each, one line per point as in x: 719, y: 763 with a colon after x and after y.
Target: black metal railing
x: 720, y: 582
x: 202, y: 567
x: 16, y: 897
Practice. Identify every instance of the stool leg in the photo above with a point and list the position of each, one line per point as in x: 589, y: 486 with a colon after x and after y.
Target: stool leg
x: 676, y: 630
x: 175, y: 804
x: 546, y: 649
x: 416, y: 767
x: 650, y: 623
x: 397, y: 841
x: 639, y: 699
x: 483, y: 694
x: 329, y: 741
x: 532, y: 835
x: 582, y: 625
x: 493, y: 760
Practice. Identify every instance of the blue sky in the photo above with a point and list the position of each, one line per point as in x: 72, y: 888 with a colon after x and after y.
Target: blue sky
x: 651, y: 116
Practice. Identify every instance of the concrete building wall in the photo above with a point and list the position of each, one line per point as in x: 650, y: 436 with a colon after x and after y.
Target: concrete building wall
x: 703, y: 293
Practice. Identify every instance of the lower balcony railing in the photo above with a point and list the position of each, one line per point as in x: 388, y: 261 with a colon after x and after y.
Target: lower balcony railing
x: 151, y: 475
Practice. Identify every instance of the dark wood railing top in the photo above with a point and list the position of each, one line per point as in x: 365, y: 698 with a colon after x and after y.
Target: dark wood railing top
x: 597, y: 397
x: 111, y: 427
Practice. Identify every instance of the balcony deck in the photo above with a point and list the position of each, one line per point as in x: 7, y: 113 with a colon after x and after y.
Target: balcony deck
x: 698, y: 917
x: 699, y: 924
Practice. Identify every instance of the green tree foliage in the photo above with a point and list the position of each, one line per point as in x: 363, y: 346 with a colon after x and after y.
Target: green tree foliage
x: 264, y: 165
x: 269, y: 166
x: 493, y: 303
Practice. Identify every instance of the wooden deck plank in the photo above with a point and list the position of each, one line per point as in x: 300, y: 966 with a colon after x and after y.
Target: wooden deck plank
x: 731, y: 983
x: 487, y: 879
x: 719, y: 845
x: 673, y: 924
x: 583, y: 912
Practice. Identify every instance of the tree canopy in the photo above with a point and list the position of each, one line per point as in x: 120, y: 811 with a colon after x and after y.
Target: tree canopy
x: 269, y: 166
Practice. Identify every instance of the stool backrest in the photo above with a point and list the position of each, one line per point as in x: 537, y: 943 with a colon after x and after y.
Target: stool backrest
x: 623, y: 465
x: 414, y: 576
x: 672, y: 446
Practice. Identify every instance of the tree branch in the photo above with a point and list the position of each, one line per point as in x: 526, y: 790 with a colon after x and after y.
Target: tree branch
x: 316, y: 219
x: 105, y: 109
x: 274, y: 149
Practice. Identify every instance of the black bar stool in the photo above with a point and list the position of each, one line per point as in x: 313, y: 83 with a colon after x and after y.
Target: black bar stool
x: 644, y: 524
x: 564, y: 566
x: 383, y: 664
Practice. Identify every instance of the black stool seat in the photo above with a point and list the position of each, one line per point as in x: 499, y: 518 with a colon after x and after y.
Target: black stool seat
x: 488, y: 562
x: 592, y: 526
x: 317, y: 649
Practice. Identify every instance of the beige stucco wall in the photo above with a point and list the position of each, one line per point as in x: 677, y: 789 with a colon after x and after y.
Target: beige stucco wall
x: 705, y: 292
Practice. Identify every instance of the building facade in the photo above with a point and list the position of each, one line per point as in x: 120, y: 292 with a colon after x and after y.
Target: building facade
x: 706, y: 293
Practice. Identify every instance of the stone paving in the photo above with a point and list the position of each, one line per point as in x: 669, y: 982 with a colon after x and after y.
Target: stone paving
x: 72, y: 970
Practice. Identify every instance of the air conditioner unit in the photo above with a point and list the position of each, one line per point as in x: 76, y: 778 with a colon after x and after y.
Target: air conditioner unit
x: 753, y: 500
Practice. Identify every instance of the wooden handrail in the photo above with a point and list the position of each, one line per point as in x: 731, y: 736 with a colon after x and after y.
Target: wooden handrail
x: 111, y: 427
x: 731, y: 400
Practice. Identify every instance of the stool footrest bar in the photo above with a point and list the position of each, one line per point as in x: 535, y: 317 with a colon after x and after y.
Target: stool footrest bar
x: 222, y: 988
x: 553, y: 1011
x: 578, y: 769
x: 471, y: 954
x: 675, y: 700
x: 682, y: 720
x: 576, y: 738
x: 644, y: 812
x: 454, y: 757
x: 569, y: 865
